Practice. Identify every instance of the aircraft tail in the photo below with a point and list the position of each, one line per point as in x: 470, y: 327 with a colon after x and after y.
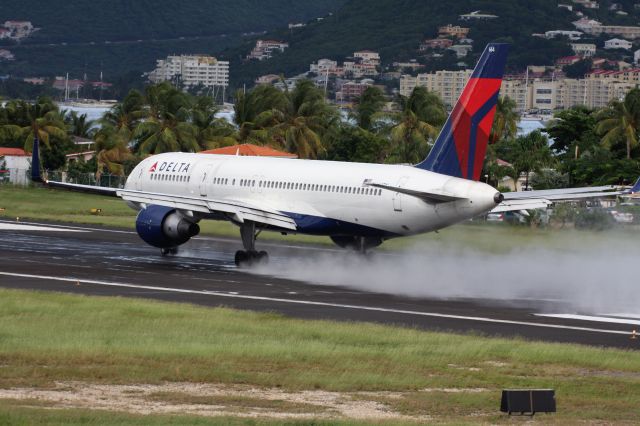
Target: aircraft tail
x: 462, y: 144
x: 636, y: 187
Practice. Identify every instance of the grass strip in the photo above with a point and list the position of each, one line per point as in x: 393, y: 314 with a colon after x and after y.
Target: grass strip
x: 49, y: 337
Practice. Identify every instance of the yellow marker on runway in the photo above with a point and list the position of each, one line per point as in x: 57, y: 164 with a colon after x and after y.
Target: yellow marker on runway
x: 634, y: 335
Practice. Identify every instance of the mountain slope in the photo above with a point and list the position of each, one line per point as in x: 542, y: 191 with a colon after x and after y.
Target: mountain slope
x: 396, y: 27
x: 99, y: 20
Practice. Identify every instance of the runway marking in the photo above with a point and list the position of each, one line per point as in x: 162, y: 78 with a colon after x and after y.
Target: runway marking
x: 14, y: 226
x: 314, y: 303
x: 65, y: 227
x: 609, y: 319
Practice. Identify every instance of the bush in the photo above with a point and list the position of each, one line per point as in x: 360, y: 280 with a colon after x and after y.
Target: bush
x: 594, y: 219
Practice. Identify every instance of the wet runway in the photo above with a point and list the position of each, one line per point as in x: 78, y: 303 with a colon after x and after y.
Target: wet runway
x: 97, y: 261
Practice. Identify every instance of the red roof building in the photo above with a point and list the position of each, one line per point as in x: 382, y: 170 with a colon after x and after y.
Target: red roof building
x: 16, y: 152
x: 248, y: 149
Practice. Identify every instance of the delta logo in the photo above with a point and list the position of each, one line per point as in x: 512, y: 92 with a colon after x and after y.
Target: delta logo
x: 170, y: 166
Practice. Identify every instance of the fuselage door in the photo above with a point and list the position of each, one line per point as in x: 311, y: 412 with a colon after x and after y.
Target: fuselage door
x: 207, y: 173
x: 397, y: 197
x: 139, y: 178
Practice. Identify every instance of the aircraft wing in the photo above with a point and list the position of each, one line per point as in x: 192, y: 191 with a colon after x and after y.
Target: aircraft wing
x: 238, y: 210
x: 529, y: 200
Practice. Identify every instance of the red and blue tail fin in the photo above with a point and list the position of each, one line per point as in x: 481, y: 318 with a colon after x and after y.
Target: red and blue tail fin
x: 461, y: 146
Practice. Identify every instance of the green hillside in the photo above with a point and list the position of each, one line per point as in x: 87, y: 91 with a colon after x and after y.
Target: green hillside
x: 99, y: 20
x: 395, y: 28
x: 119, y: 36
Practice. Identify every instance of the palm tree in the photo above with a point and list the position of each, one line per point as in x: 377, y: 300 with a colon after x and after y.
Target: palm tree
x: 505, y: 122
x: 368, y: 106
x: 620, y: 120
x: 113, y: 151
x: 417, y: 123
x: 255, y: 111
x: 530, y: 153
x: 213, y: 131
x: 40, y: 120
x: 78, y: 124
x: 167, y: 126
x: 299, y: 127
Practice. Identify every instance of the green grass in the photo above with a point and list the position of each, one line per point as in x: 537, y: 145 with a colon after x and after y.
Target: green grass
x: 48, y: 337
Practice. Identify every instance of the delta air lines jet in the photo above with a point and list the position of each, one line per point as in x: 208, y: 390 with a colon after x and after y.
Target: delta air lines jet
x: 357, y: 205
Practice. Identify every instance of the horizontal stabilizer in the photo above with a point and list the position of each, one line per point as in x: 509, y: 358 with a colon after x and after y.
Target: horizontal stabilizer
x: 428, y: 196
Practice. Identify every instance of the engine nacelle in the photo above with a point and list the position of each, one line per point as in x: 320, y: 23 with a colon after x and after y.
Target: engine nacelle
x: 164, y: 227
x: 356, y: 243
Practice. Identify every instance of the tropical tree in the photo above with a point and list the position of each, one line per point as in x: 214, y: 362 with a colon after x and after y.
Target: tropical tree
x: 300, y: 125
x: 505, y: 122
x: 167, y: 126
x: 212, y: 131
x: 620, y: 121
x: 529, y: 153
x: 256, y: 111
x: 112, y: 151
x: 422, y: 113
x: 368, y: 106
x: 79, y: 125
x: 114, y: 137
x: 571, y: 131
x: 40, y: 119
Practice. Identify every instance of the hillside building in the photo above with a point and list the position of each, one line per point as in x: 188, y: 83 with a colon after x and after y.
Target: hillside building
x: 618, y: 43
x: 19, y: 29
x: 264, y: 49
x: 367, y: 56
x: 542, y: 94
x: 192, y: 70
x: 453, y: 31
x: 586, y: 50
x: 595, y: 28
x: 436, y: 43
x: 477, y: 15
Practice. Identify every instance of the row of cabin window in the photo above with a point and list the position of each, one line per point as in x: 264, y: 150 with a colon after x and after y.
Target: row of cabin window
x: 303, y: 186
x: 172, y: 178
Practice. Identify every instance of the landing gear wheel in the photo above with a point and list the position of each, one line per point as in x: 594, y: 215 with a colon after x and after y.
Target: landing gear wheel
x: 241, y: 258
x: 169, y: 251
x: 251, y: 258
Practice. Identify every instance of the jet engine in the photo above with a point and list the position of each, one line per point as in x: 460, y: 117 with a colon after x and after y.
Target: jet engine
x: 356, y: 243
x: 165, y: 227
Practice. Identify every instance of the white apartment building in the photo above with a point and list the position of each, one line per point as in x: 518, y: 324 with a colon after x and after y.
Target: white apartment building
x: 586, y: 50
x: 617, y: 43
x: 322, y: 66
x: 192, y: 70
x: 367, y: 56
x: 447, y: 84
x: 543, y: 95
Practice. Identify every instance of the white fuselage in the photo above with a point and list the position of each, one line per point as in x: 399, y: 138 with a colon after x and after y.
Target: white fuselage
x: 323, y: 197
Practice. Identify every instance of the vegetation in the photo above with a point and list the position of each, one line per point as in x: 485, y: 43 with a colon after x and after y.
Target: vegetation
x: 127, y: 341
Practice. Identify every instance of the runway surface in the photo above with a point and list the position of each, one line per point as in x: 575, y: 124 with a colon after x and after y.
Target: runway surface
x: 98, y: 261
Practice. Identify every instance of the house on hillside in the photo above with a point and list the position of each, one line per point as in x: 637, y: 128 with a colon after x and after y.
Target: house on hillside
x: 618, y: 43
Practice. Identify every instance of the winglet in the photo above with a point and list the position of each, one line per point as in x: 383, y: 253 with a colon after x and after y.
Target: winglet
x: 35, y: 162
x: 462, y: 144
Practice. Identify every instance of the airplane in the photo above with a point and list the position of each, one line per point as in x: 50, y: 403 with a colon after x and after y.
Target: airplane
x: 357, y: 205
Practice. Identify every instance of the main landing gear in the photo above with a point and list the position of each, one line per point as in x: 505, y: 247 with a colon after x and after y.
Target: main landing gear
x: 250, y: 256
x: 171, y: 251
